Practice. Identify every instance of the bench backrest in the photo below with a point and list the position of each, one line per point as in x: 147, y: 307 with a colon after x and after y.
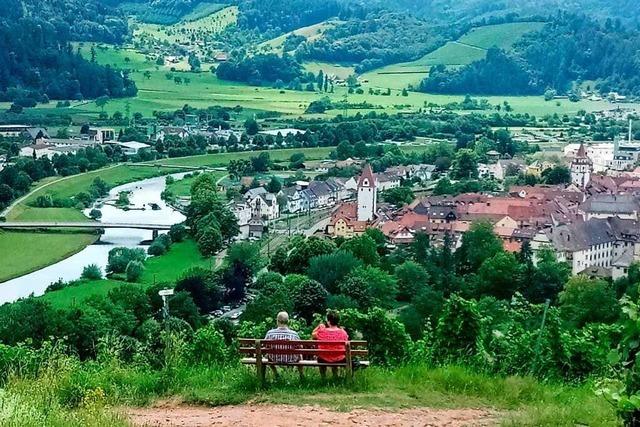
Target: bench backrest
x: 306, y: 348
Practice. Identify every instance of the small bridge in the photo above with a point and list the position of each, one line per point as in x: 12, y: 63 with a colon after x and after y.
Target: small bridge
x: 84, y: 225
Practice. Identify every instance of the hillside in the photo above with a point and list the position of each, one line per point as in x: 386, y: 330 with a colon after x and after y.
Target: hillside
x: 37, y: 62
x: 570, y: 48
x: 470, y: 47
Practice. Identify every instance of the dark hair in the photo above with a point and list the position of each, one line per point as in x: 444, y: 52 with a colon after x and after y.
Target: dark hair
x: 333, y: 317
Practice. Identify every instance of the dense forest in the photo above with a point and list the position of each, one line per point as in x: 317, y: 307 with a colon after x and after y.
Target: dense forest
x: 38, y: 63
x: 381, y: 38
x: 570, y: 48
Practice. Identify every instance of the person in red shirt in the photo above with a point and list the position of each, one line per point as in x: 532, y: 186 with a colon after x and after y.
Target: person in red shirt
x: 331, y: 331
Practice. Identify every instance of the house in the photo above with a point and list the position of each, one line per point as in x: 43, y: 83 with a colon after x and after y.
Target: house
x: 13, y: 131
x: 610, y: 245
x: 424, y: 172
x: 295, y: 199
x: 344, y: 222
x: 221, y: 57
x: 180, y: 132
x: 131, y: 148
x: 323, y: 194
x: 35, y: 135
x: 387, y: 182
x: 506, y: 167
x: 102, y: 135
x: 625, y: 206
x: 263, y: 204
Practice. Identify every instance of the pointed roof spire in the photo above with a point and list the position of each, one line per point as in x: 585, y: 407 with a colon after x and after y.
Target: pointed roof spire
x: 582, y: 152
x: 367, y: 179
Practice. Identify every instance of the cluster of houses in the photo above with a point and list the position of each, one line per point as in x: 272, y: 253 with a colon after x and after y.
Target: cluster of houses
x: 40, y: 143
x: 592, y: 223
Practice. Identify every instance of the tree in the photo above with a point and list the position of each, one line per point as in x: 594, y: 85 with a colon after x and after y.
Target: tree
x: 134, y: 271
x: 178, y: 232
x: 246, y: 254
x: 398, y: 196
x: 91, y: 272
x: 206, y: 293
x: 412, y: 277
x: 194, y: 62
x: 421, y: 247
x: 459, y: 330
x: 309, y: 299
x: 305, y: 249
x: 344, y: 150
x: 210, y: 241
x: 330, y: 269
x: 102, y: 102
x: 465, y: 165
x: 585, y: 300
x: 364, y: 248
x: 120, y: 257
x: 499, y: 276
x: 478, y: 244
x: 548, y: 278
x: 274, y: 186
x: 383, y: 286
x: 557, y: 175
x: 95, y: 214
x: 251, y: 126
x: 358, y: 290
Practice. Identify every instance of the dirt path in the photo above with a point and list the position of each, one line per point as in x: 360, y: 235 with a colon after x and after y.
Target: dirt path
x: 305, y: 416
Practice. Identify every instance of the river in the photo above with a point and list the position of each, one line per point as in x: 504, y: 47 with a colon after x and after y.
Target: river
x: 142, y: 193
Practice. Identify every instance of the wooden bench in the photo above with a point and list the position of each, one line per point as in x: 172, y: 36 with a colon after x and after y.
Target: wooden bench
x: 256, y: 352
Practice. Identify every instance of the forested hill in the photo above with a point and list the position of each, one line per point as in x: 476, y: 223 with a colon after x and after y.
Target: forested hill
x: 570, y: 48
x: 37, y: 61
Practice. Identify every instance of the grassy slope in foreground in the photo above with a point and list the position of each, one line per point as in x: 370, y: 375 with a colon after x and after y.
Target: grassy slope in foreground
x: 517, y: 401
x: 166, y: 268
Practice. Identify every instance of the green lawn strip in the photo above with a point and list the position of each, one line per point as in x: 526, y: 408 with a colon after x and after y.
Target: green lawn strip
x: 22, y: 253
x: 182, y: 187
x: 166, y: 268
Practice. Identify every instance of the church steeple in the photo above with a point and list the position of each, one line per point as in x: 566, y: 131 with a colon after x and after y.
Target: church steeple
x: 367, y: 194
x: 581, y: 168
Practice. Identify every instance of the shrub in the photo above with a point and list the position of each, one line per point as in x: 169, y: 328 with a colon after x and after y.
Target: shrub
x: 95, y: 214
x: 120, y: 257
x: 178, y: 232
x: 208, y: 347
x: 134, y: 271
x: 91, y: 272
x: 156, y: 249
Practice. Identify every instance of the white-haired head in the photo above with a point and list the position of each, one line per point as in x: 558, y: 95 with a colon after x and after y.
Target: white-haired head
x: 283, y: 318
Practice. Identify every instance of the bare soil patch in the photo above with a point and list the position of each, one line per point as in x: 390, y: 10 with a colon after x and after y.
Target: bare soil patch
x: 305, y: 416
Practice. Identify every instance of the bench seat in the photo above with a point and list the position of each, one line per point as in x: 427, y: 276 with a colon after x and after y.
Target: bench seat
x: 309, y: 363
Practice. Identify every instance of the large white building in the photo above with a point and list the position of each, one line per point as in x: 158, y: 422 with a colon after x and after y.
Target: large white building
x: 606, y: 246
x: 367, y: 195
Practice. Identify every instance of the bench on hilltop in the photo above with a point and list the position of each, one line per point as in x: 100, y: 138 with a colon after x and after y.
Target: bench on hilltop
x: 256, y: 352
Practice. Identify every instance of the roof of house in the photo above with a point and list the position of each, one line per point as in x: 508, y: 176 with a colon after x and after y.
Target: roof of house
x: 611, y: 204
x: 255, y: 192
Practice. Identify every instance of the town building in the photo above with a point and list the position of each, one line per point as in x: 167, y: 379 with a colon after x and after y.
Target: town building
x: 367, y: 195
x: 581, y: 168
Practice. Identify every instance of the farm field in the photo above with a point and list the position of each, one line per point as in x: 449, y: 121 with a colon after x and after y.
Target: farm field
x: 157, y: 92
x: 503, y: 36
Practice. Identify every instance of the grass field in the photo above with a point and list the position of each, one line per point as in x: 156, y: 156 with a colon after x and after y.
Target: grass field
x: 163, y: 269
x: 190, y: 31
x: 182, y: 187
x: 205, y: 89
x: 311, y: 33
x: 467, y: 49
x: 23, y: 253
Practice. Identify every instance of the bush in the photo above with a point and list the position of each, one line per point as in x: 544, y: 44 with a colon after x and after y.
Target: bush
x: 95, y: 214
x: 134, y: 271
x: 91, y: 272
x: 178, y: 232
x: 156, y: 249
x: 208, y: 347
x: 120, y: 257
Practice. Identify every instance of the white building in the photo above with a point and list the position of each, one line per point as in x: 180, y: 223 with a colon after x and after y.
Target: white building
x: 581, y: 168
x: 607, y: 246
x: 367, y: 195
x: 102, y: 135
x: 263, y: 204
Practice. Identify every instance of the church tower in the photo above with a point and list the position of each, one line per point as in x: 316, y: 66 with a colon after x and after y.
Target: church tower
x: 581, y: 168
x: 367, y: 195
